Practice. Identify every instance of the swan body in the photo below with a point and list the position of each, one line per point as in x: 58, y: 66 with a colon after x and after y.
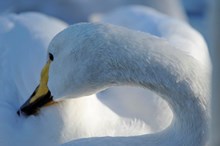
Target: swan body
x: 98, y: 56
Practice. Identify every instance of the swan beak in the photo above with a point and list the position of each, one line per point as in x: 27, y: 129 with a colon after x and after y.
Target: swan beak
x: 34, y: 103
x: 41, y: 96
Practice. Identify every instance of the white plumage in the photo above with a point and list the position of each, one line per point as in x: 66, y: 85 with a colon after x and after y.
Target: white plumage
x: 87, y: 55
x: 151, y: 107
x: 24, y: 39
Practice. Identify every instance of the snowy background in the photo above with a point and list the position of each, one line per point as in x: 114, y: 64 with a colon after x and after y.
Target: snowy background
x: 73, y: 11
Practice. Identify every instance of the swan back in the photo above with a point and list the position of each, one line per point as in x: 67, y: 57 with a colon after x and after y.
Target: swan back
x: 178, y: 33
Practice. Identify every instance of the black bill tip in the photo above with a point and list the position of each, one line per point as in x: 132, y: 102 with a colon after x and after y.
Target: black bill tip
x: 32, y: 108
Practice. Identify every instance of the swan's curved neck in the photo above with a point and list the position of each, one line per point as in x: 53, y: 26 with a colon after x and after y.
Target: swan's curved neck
x: 171, y: 76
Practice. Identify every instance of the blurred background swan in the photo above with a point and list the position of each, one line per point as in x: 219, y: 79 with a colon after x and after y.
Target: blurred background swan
x: 73, y: 11
x: 24, y: 85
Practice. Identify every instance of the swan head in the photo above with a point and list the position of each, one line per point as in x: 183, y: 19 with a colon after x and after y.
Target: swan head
x: 72, y: 69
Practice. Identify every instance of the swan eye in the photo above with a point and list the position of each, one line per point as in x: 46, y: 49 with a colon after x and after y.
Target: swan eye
x: 51, y: 56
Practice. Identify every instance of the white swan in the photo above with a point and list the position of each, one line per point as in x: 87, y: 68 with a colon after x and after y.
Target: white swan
x: 88, y: 58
